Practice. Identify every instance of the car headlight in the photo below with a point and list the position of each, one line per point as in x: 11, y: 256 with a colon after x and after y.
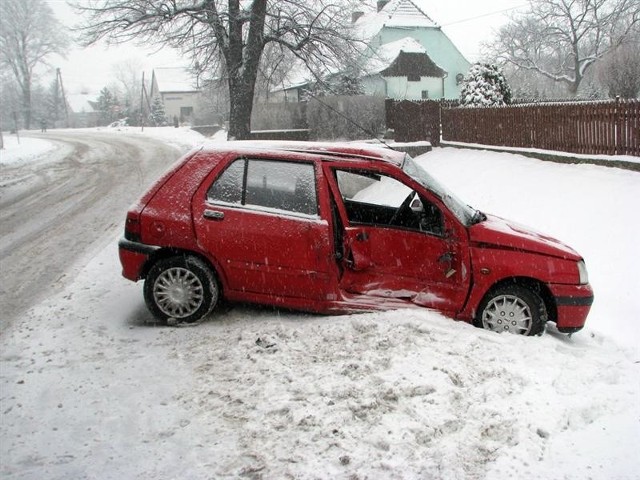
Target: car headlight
x: 582, y: 272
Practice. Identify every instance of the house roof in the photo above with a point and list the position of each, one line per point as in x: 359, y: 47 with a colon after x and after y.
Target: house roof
x: 413, y: 63
x: 174, y: 79
x: 385, y: 54
x: 81, y: 102
x: 396, y: 13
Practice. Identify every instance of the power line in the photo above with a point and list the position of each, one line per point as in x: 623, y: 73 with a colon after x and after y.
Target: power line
x: 485, y: 15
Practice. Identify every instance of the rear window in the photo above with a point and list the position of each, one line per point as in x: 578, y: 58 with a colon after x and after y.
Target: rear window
x: 267, y: 184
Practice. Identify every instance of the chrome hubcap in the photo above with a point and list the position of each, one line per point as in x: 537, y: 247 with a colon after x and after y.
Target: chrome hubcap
x: 178, y: 292
x: 507, y: 313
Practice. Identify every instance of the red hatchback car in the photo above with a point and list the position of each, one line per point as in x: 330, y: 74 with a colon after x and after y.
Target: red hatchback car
x: 339, y: 228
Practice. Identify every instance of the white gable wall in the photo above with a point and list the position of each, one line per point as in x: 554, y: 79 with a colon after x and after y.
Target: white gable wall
x: 402, y: 88
x: 178, y: 104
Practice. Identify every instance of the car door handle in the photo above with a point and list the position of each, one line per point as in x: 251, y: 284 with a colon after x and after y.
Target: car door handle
x: 362, y: 236
x: 446, y: 257
x: 213, y: 215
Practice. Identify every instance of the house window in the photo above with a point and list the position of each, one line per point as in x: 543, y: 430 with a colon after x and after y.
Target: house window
x: 413, y: 78
x: 425, y: 94
x: 186, y: 112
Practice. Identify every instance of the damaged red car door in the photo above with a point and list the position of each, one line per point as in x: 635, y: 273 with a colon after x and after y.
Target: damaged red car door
x: 399, y: 242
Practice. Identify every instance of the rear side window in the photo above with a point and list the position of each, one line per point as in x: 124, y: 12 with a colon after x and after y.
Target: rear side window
x: 267, y: 184
x: 228, y: 187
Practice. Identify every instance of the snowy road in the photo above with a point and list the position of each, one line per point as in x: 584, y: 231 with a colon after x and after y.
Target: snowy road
x: 91, y: 388
x: 56, y: 210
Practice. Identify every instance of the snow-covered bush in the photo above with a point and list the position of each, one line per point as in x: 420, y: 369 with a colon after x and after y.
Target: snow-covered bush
x: 485, y: 86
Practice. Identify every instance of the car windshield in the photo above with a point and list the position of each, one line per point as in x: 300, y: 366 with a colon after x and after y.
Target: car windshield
x: 461, y: 210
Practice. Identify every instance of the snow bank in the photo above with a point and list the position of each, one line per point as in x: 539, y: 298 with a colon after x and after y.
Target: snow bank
x: 182, y: 137
x: 103, y: 393
x: 26, y: 150
x: 552, y: 153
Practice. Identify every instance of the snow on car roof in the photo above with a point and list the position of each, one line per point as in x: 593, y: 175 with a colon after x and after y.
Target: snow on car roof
x: 346, y: 149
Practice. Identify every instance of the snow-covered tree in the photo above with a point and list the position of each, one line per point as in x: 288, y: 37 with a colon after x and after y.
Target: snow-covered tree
x: 562, y: 39
x: 108, y: 106
x: 343, y: 84
x: 29, y: 33
x: 349, y: 85
x: 485, y: 86
x: 158, y: 115
x: 128, y: 84
x: 619, y: 71
x: 54, y: 103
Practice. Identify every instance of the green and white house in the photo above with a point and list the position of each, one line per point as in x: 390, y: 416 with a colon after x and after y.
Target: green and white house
x: 407, y: 56
x: 418, y: 60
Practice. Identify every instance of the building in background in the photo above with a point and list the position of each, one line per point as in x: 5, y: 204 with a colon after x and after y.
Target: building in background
x: 82, y: 110
x: 179, y: 91
x: 422, y: 62
x: 407, y: 56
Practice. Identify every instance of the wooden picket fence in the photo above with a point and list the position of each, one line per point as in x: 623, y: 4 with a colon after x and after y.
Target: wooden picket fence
x: 608, y: 128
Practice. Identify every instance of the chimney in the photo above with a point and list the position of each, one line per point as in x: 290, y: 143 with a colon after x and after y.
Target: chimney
x: 355, y: 16
x: 382, y: 4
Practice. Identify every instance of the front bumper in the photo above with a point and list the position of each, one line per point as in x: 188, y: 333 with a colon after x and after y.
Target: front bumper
x: 573, y: 304
x: 133, y: 257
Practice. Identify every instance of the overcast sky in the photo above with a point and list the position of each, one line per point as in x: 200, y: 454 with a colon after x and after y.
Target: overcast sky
x: 468, y: 23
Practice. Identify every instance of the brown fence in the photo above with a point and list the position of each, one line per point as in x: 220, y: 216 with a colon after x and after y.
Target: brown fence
x: 609, y: 128
x: 413, y: 121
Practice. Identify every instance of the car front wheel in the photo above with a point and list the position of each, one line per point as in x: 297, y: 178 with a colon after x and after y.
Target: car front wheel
x: 512, y: 309
x: 181, y: 288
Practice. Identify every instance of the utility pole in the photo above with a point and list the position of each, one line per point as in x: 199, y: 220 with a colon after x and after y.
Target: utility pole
x: 144, y: 98
x: 64, y: 97
x: 142, y: 92
x: 15, y: 122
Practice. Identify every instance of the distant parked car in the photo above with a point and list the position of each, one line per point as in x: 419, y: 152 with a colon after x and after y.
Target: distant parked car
x: 339, y: 228
x: 123, y: 122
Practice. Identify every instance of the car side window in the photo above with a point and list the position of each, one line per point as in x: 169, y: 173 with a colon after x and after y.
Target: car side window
x: 267, y: 184
x: 374, y: 199
x: 228, y: 187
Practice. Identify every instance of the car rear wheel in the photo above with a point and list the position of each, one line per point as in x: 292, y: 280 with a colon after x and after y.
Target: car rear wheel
x: 512, y: 309
x: 181, y: 288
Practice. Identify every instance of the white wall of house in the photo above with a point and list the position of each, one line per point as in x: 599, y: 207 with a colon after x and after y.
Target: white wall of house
x: 402, y: 88
x: 183, y: 105
x: 374, y: 85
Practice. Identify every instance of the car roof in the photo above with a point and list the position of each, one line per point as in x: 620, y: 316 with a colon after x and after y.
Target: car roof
x: 327, y: 150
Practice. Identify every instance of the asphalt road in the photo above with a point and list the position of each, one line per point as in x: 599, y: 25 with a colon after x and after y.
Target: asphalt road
x: 56, y: 212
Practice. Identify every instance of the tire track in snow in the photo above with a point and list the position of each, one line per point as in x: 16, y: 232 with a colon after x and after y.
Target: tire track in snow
x: 66, y: 209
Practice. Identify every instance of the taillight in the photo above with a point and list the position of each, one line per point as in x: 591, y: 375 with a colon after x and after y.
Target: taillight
x: 132, y: 227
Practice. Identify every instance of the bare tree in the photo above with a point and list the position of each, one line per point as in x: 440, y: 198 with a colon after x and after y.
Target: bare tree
x: 561, y: 39
x: 29, y: 33
x: 619, y: 70
x: 127, y: 74
x: 128, y: 86
x: 228, y: 37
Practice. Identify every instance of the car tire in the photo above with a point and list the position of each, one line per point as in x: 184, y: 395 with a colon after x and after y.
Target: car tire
x: 181, y: 289
x: 514, y: 309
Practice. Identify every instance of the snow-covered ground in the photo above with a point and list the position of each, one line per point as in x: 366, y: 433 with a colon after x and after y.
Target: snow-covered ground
x: 91, y: 388
x: 23, y: 149
x: 181, y: 137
